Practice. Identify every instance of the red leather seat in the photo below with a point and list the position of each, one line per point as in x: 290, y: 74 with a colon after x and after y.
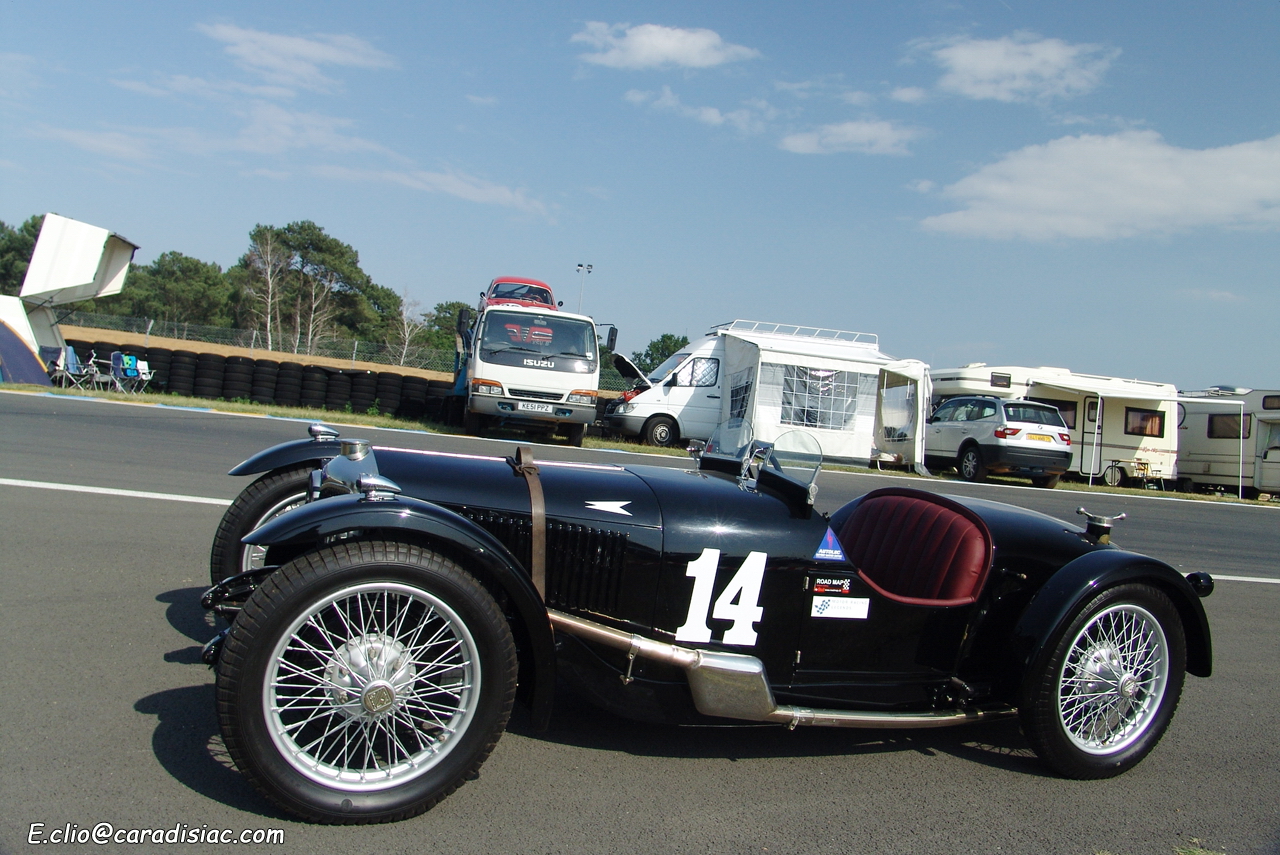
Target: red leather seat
x: 918, y: 547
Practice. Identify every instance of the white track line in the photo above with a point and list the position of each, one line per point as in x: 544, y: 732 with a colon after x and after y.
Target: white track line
x: 108, y: 491
x: 1216, y: 578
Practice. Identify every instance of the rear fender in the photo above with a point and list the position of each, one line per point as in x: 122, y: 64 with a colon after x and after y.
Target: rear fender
x: 1053, y: 607
x: 288, y: 454
x: 406, y: 518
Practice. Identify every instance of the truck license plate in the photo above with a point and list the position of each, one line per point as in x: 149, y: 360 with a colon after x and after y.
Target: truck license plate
x: 533, y: 408
x: 1039, y: 436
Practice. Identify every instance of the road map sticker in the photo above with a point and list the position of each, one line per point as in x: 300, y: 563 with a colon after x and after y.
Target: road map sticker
x: 829, y: 549
x: 849, y: 608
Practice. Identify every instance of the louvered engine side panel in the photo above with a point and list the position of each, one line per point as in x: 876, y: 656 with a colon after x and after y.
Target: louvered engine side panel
x: 585, y: 565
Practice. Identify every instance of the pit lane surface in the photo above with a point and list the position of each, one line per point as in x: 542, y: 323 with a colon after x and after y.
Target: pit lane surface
x: 108, y: 715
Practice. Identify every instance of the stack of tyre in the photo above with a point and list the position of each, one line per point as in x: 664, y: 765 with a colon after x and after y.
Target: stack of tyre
x: 338, y: 391
x: 262, y: 381
x: 211, y: 369
x: 288, y: 388
x: 237, y: 378
x: 390, y: 392
x: 159, y: 360
x: 315, y: 383
x: 182, y: 373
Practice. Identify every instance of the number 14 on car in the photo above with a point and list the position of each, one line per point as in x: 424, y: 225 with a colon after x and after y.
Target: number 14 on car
x: 739, y: 602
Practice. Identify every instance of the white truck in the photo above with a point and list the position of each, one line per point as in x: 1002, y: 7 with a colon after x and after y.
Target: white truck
x: 1229, y: 439
x: 536, y: 370
x: 779, y: 376
x: 1120, y: 429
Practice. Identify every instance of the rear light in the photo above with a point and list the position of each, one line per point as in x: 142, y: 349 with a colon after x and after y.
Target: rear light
x: 1065, y: 437
x: 1004, y: 432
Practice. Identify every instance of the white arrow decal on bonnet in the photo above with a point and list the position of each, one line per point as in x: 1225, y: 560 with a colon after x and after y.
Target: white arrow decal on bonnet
x: 610, y: 507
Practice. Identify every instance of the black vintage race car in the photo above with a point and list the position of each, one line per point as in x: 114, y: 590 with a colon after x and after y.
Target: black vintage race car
x: 387, y: 607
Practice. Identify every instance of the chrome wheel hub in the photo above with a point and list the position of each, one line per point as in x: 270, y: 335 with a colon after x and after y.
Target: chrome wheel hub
x: 368, y: 675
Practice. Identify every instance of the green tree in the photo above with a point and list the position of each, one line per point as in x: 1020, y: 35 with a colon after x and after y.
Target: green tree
x: 176, y: 288
x: 443, y: 325
x: 657, y: 351
x: 16, y: 246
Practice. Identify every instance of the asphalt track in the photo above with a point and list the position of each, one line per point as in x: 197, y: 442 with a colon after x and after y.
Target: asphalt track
x: 108, y: 715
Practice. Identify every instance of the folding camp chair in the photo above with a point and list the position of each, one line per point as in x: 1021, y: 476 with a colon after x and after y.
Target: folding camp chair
x: 125, y: 373
x: 69, y: 371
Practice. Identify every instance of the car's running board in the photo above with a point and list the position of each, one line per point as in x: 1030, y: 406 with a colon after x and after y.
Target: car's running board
x: 734, y: 685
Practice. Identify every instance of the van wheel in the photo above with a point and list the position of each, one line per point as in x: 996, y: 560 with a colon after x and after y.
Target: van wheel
x: 1113, y: 476
x: 660, y: 431
x: 574, y: 434
x: 971, y: 466
x: 474, y: 424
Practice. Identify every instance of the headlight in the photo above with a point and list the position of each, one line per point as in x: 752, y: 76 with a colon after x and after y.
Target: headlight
x: 581, y: 396
x: 485, y: 387
x: 622, y: 409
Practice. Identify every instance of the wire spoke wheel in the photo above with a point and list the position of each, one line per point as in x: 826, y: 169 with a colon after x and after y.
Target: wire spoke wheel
x: 1113, y: 679
x: 368, y: 686
x: 1110, y: 683
x: 365, y: 681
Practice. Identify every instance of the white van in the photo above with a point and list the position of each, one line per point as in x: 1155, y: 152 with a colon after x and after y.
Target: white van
x: 1229, y: 439
x: 778, y: 376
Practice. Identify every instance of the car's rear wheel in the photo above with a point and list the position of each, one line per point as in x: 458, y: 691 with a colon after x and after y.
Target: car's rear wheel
x: 660, y: 431
x: 1110, y: 686
x: 971, y: 466
x: 1047, y: 482
x: 265, y: 499
x: 365, y: 682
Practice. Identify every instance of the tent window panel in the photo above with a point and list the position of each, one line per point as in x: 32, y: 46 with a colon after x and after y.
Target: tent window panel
x: 738, y: 398
x: 1225, y: 426
x: 898, y: 410
x: 700, y: 371
x: 819, y: 397
x: 1066, y: 408
x: 1140, y: 422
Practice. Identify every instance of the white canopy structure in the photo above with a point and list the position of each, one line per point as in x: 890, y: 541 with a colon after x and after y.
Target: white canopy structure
x: 823, y: 381
x: 902, y: 408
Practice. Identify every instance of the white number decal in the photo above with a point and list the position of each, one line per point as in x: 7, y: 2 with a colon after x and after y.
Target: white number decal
x: 739, y: 602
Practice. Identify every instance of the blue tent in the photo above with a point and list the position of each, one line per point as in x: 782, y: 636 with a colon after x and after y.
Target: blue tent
x: 17, y: 362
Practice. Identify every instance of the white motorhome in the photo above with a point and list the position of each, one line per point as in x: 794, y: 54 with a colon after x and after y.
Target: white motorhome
x: 1120, y: 429
x: 779, y: 376
x: 531, y: 369
x: 1229, y: 438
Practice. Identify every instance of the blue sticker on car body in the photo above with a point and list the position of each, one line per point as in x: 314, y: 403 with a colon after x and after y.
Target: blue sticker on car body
x: 829, y: 549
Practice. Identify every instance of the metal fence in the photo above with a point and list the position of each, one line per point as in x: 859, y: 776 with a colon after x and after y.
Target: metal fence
x: 357, y: 351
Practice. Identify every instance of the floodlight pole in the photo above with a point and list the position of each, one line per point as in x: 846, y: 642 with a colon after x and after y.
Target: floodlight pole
x: 583, y: 270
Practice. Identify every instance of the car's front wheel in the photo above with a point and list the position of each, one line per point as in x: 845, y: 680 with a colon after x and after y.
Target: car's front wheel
x: 1110, y: 686
x: 265, y: 499
x: 661, y: 431
x: 365, y: 682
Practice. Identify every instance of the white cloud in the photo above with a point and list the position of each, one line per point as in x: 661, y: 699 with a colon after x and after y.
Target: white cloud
x: 271, y: 129
x: 749, y: 119
x: 452, y: 183
x: 17, y: 75
x: 858, y: 99
x: 866, y: 137
x: 655, y: 46
x: 1021, y: 67
x: 118, y: 145
x: 1123, y: 185
x: 922, y: 185
x: 908, y: 94
x: 482, y: 100
x: 181, y: 84
x: 295, y: 61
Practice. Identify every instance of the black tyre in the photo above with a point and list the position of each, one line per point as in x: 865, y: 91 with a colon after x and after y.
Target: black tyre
x: 661, y: 431
x: 1110, y: 687
x: 266, y: 498
x: 970, y: 464
x: 474, y: 424
x: 574, y: 434
x: 1047, y: 482
x: 365, y: 682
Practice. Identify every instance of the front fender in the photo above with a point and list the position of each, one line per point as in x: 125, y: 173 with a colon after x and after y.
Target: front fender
x: 479, y: 552
x: 289, y: 454
x: 1053, y: 607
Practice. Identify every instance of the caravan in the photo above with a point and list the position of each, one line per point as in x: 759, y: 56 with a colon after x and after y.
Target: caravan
x: 1120, y: 429
x: 778, y: 376
x: 1229, y: 438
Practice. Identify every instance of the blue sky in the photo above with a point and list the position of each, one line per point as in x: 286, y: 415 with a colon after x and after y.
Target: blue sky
x: 1089, y: 185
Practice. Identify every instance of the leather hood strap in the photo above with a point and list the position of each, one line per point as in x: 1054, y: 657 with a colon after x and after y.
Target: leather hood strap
x: 523, y: 465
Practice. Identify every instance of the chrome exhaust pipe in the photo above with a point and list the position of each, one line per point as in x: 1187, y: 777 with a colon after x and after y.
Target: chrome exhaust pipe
x: 734, y: 685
